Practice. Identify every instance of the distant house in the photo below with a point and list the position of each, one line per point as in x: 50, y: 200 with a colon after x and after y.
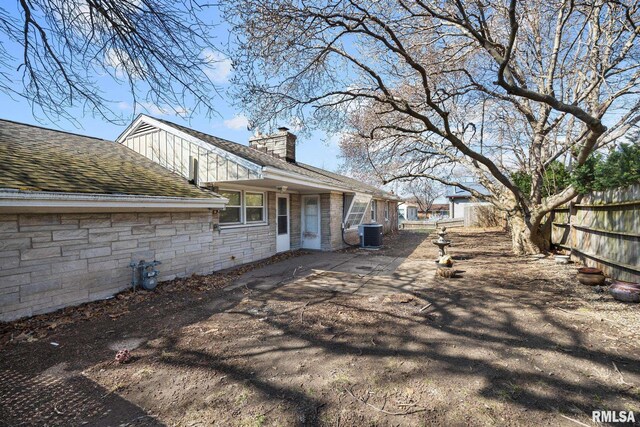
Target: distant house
x: 438, y: 210
x: 408, y: 211
x: 75, y: 211
x: 459, y: 198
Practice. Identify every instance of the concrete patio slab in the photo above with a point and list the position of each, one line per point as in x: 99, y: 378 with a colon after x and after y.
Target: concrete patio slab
x: 361, y: 271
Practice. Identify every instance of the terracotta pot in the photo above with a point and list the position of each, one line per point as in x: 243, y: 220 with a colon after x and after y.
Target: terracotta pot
x: 591, y: 279
x: 589, y: 270
x: 625, y: 291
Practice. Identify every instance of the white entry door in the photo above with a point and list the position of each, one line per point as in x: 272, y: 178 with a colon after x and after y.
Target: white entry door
x: 283, y: 237
x: 311, y: 222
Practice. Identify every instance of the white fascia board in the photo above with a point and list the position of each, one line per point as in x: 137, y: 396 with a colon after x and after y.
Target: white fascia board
x: 270, y: 172
x: 129, y: 129
x: 204, y: 145
x: 390, y: 199
x: 275, y: 173
x: 43, y: 199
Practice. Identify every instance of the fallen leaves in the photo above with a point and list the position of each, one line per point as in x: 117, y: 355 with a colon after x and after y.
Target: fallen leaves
x: 38, y: 327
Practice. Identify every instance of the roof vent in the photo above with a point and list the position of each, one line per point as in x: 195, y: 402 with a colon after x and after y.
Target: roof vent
x: 142, y: 128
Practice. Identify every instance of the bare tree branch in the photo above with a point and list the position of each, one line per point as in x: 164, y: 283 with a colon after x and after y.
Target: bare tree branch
x: 445, y: 91
x: 163, y: 52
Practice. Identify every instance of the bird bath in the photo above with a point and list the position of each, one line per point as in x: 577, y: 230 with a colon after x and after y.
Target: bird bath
x: 442, y: 243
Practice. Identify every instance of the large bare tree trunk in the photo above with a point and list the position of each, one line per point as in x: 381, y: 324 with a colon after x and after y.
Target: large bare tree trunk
x: 527, y: 237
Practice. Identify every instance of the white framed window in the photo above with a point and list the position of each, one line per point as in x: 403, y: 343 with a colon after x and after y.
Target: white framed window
x: 374, y: 211
x: 254, y: 207
x: 386, y: 211
x: 232, y: 214
x: 356, y: 211
x: 244, y: 207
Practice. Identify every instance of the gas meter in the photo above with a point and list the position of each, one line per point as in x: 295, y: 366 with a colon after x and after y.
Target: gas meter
x: 144, y: 274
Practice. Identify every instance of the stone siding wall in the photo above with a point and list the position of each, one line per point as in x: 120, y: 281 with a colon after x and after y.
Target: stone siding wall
x: 239, y: 245
x: 50, y: 261
x: 234, y: 246
x: 331, y: 205
x: 392, y: 223
x: 295, y: 201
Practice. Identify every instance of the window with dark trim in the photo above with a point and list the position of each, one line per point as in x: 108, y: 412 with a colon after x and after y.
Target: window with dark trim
x: 283, y: 215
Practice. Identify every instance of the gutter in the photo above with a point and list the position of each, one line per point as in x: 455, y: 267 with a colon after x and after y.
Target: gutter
x: 45, y: 200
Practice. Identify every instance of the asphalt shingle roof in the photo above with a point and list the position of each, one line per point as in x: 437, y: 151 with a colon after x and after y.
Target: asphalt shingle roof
x: 38, y: 159
x: 263, y: 159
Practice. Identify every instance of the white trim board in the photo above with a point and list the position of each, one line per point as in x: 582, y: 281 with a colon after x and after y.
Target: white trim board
x: 41, y: 201
x: 275, y: 173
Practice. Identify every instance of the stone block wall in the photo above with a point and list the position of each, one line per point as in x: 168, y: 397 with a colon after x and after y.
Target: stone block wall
x: 294, y: 207
x: 331, y: 221
x: 50, y: 261
x: 233, y: 246
x: 392, y: 223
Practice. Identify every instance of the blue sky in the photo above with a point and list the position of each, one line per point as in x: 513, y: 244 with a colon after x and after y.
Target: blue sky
x: 320, y: 150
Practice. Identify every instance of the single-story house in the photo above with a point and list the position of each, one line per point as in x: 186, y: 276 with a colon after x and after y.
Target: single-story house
x: 408, y: 211
x: 438, y: 210
x: 459, y: 198
x: 276, y: 203
x: 75, y: 211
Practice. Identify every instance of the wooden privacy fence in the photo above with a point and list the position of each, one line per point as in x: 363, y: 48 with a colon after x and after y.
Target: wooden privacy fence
x: 602, y: 229
x: 482, y: 215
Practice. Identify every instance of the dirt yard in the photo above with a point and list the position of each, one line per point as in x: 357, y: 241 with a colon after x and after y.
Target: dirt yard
x: 342, y: 339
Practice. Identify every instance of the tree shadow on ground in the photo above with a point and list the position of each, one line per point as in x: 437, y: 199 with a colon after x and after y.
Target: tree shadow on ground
x: 484, y: 337
x: 495, y: 333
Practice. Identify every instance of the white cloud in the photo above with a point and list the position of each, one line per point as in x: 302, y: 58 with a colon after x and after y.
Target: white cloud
x: 219, y: 66
x: 112, y: 58
x: 154, y: 109
x: 237, y: 122
x: 123, y: 65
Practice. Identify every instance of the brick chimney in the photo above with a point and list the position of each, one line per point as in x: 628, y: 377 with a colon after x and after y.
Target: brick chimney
x: 281, y: 144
